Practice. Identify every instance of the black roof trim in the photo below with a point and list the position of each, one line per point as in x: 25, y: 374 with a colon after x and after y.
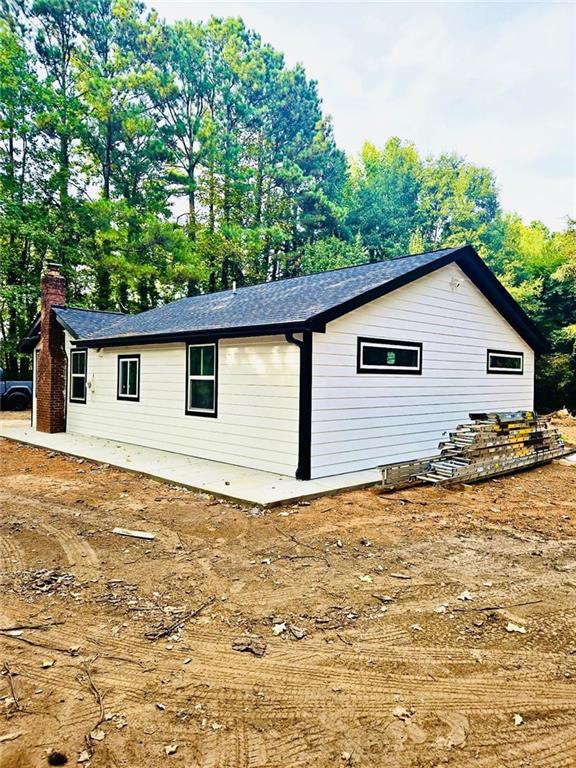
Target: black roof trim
x: 61, y: 312
x: 485, y: 280
x: 473, y: 266
x: 382, y: 290
x: 185, y: 336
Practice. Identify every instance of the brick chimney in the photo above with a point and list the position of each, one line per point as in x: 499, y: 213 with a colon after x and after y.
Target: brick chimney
x: 51, y: 379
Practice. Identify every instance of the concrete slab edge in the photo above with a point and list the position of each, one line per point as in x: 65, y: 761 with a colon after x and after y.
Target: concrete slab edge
x: 217, y: 494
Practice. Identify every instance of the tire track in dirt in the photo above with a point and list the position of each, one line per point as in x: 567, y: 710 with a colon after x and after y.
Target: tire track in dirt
x: 556, y: 750
x: 12, y: 555
x: 76, y: 550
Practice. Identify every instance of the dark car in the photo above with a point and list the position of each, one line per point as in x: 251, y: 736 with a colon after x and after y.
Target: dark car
x: 15, y: 395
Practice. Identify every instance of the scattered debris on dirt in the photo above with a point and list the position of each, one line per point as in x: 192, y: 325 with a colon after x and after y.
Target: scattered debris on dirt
x: 57, y: 758
x: 178, y: 623
x: 42, y: 581
x: 10, y: 736
x: 134, y: 534
x: 254, y: 645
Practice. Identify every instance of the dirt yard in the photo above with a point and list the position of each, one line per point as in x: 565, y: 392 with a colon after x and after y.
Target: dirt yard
x: 430, y: 627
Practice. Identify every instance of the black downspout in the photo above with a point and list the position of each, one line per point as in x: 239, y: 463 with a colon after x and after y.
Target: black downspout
x: 305, y: 404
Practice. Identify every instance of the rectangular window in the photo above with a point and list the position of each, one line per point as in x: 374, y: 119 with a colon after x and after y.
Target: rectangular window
x: 386, y: 356
x: 78, y: 365
x: 128, y: 377
x: 201, y: 384
x: 500, y: 361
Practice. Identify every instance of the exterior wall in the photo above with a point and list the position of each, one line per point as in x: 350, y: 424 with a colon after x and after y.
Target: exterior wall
x: 257, y: 422
x: 364, y: 420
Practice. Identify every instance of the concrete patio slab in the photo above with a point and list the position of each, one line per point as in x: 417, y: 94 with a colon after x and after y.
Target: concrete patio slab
x: 227, y: 480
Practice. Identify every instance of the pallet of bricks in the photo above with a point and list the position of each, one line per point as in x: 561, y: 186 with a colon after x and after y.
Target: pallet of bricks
x: 494, y: 444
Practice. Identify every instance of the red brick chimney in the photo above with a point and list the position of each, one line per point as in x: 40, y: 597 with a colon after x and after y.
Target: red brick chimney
x: 51, y: 380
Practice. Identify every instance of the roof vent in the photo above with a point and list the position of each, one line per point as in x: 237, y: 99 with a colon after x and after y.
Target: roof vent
x: 233, y: 287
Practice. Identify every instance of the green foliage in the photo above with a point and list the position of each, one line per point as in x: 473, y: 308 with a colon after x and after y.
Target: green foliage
x: 382, y: 197
x: 330, y: 253
x: 156, y: 161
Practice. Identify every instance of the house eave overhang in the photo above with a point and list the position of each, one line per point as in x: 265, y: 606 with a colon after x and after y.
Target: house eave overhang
x: 208, y: 334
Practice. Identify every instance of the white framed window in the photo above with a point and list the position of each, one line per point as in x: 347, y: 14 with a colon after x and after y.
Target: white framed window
x: 387, y: 356
x: 201, y: 379
x: 78, y: 373
x: 128, y: 377
x: 502, y: 361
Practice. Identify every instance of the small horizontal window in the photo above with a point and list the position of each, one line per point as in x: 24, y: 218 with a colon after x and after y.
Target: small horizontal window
x: 386, y: 356
x: 128, y: 377
x: 499, y: 361
x: 78, y: 367
x: 201, y: 383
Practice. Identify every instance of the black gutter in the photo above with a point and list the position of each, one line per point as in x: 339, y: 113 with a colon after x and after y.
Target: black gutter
x: 206, y: 333
x: 303, y: 470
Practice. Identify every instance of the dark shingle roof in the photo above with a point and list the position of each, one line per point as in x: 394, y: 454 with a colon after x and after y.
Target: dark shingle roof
x: 282, y: 303
x: 84, y: 322
x: 78, y: 322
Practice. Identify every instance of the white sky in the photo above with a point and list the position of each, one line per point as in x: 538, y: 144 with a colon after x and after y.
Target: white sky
x: 495, y: 82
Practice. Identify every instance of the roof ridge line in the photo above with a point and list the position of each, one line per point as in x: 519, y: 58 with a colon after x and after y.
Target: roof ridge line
x: 322, y: 272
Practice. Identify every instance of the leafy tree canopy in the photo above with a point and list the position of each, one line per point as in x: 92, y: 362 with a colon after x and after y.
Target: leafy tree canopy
x: 159, y: 160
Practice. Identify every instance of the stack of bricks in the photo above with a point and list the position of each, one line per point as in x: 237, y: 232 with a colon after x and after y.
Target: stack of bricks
x: 494, y: 444
x: 51, y: 362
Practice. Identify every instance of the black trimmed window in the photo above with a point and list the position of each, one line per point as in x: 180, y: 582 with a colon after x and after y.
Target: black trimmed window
x: 201, y: 379
x: 504, y: 361
x: 78, y: 374
x: 128, y: 377
x: 388, y: 356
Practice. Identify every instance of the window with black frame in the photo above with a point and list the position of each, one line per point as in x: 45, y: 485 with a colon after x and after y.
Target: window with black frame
x: 128, y: 377
x: 502, y: 361
x: 387, y: 356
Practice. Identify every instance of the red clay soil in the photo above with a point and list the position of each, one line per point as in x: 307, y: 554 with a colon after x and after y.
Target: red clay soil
x: 428, y: 627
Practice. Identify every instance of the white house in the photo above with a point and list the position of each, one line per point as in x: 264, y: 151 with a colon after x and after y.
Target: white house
x: 308, y: 376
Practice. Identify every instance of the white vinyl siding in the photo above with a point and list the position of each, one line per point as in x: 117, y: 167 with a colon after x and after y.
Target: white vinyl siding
x: 362, y: 420
x: 257, y: 423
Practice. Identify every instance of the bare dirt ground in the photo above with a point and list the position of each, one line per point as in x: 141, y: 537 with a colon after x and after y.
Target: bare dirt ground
x: 429, y: 627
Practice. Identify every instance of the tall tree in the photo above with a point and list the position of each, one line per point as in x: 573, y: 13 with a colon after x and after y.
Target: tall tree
x: 23, y: 224
x: 458, y: 202
x: 383, y: 197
